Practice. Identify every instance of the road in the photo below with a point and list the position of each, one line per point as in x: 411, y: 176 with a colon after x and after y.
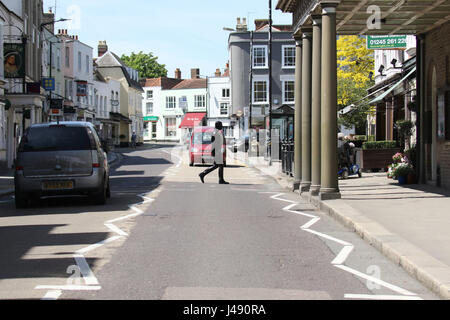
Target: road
x: 165, y: 235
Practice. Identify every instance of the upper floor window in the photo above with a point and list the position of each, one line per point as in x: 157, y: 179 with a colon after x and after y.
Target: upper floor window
x: 150, y: 94
x: 200, y: 101
x: 149, y: 107
x: 171, y: 102
x: 288, y: 91
x: 79, y: 61
x: 260, y: 57
x: 87, y: 64
x: 260, y: 91
x: 224, y: 109
x: 225, y: 93
x: 67, y: 57
x: 288, y: 56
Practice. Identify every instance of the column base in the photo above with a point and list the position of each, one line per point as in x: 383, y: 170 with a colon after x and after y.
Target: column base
x: 329, y: 194
x: 296, y: 185
x: 305, y: 186
x: 314, y: 190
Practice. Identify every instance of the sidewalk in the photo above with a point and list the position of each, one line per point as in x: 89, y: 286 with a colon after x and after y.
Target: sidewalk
x: 409, y: 224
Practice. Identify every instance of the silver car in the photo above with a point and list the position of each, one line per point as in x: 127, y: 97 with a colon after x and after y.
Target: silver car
x: 61, y: 159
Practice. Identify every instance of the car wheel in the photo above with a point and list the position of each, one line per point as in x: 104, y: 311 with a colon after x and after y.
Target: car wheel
x: 100, y: 198
x: 108, y: 191
x: 20, y: 200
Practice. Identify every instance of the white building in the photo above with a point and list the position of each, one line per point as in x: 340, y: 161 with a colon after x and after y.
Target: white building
x: 219, y: 106
x: 106, y: 101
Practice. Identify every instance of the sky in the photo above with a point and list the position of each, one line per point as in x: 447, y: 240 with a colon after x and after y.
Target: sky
x: 182, y: 34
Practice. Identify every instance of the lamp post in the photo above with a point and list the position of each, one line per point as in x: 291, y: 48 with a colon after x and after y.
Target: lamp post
x: 270, y: 82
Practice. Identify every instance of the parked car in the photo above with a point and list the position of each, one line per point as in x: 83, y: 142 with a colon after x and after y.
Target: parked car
x: 61, y: 159
x: 241, y: 144
x: 200, y: 150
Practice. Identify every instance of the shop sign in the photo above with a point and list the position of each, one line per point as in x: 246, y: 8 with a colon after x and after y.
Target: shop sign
x: 386, y: 42
x: 14, y: 58
x: 151, y: 119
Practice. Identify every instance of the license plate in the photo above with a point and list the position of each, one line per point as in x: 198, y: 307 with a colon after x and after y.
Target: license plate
x: 57, y: 185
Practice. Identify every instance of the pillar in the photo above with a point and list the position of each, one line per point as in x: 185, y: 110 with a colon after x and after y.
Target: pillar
x: 390, y: 119
x: 316, y: 106
x: 298, y: 114
x: 306, y: 109
x: 329, y: 188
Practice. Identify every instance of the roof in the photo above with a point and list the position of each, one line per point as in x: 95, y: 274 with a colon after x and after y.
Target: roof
x: 192, y: 84
x: 163, y: 82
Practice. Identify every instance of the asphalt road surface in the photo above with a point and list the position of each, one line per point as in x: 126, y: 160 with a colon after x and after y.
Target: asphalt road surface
x: 165, y: 235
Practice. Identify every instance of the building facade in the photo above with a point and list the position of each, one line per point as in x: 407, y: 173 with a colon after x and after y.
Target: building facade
x: 249, y: 72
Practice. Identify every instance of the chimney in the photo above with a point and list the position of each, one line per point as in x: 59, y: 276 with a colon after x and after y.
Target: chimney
x: 241, y: 27
x: 195, y: 73
x: 102, y: 48
x: 47, y: 18
x: 218, y: 73
x: 177, y: 73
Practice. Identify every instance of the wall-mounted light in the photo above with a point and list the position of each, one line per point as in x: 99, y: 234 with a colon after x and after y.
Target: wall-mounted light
x: 393, y: 62
x: 381, y: 69
x: 370, y: 75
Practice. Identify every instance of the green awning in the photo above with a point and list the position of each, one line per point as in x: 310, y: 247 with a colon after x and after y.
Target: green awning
x: 384, y: 95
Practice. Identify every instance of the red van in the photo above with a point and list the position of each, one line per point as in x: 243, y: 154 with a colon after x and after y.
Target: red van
x: 201, y: 146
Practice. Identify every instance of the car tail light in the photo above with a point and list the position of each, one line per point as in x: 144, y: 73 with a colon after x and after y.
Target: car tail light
x: 96, y: 165
x: 19, y: 168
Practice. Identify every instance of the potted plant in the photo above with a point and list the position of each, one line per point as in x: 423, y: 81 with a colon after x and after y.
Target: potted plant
x: 378, y: 154
x: 402, y: 171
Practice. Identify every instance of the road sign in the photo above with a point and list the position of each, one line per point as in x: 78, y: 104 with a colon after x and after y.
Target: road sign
x: 386, y: 42
x: 48, y: 84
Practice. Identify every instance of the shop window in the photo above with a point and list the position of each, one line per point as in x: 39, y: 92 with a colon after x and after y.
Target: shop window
x: 447, y: 116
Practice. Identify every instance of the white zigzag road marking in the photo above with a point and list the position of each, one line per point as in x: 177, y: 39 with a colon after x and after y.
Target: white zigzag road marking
x: 342, y: 256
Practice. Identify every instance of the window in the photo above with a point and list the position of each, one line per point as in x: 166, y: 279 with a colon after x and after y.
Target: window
x: 171, y: 103
x: 225, y: 93
x: 260, y: 91
x: 260, y: 57
x: 171, y: 127
x: 149, y: 107
x: 200, y: 101
x: 224, y: 109
x: 288, y: 91
x: 87, y: 64
x: 67, y: 57
x: 79, y: 61
x: 58, y: 59
x: 288, y: 56
x: 150, y: 94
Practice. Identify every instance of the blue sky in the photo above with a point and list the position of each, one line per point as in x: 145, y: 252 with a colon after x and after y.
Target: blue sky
x: 181, y: 33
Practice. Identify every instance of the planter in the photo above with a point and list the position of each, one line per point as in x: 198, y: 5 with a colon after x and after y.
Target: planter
x: 377, y: 158
x: 402, y: 180
x: 411, y: 179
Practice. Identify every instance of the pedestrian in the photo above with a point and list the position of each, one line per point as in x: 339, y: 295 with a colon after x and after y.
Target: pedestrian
x: 133, y: 140
x: 218, y: 150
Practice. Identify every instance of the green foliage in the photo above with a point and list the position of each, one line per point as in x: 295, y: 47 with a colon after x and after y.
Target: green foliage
x: 360, y: 137
x: 355, y: 62
x: 411, y: 154
x: 404, y: 128
x: 402, y: 170
x: 380, y: 145
x: 146, y: 64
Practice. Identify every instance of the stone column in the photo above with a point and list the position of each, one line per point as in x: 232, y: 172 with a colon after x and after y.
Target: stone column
x: 390, y: 119
x: 316, y: 106
x: 329, y: 178
x: 298, y: 114
x: 306, y: 109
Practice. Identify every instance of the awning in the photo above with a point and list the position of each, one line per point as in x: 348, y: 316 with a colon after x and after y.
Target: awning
x: 384, y: 95
x: 192, y: 120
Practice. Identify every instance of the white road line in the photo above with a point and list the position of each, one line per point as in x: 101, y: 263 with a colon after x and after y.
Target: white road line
x: 88, y: 276
x: 342, y: 256
x: 380, y: 297
x: 69, y: 288
x: 52, y: 295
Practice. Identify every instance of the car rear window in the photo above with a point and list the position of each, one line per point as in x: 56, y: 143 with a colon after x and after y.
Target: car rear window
x: 203, y: 137
x: 57, y: 138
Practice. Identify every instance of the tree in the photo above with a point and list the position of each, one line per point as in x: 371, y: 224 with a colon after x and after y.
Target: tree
x: 355, y: 62
x: 146, y: 64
